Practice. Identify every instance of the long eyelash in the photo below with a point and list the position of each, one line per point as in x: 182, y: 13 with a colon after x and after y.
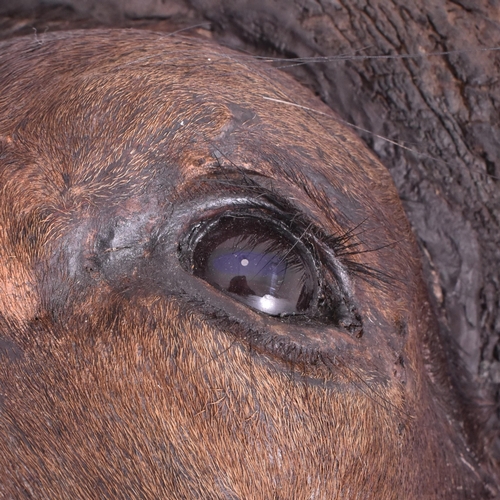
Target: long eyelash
x: 313, y: 113
x: 374, y: 276
x: 348, y: 244
x: 351, y: 57
x: 343, y: 246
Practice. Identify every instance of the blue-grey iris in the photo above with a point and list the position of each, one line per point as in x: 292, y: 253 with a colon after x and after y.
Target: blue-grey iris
x: 257, y: 263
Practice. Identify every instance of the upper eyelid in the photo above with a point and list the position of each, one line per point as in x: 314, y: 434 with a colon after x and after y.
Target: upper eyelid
x: 254, y: 195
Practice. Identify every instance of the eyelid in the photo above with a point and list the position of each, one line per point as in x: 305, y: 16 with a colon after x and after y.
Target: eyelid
x: 295, y: 218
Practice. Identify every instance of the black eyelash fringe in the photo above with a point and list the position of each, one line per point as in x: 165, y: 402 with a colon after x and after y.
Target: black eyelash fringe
x: 343, y: 246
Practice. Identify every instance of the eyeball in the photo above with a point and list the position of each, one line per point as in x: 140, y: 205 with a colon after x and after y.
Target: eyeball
x: 258, y: 263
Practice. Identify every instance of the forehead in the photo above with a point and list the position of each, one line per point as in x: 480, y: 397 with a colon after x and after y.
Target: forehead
x: 105, y: 115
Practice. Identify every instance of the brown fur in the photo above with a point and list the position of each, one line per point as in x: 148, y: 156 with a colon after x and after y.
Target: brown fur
x: 124, y: 376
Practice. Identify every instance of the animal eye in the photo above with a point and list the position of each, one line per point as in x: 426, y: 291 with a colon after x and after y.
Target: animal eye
x: 258, y: 263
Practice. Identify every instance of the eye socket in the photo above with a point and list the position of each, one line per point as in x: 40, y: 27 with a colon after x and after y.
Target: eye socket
x: 256, y: 262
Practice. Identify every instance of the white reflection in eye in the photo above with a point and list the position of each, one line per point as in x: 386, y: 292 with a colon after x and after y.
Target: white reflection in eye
x: 269, y: 304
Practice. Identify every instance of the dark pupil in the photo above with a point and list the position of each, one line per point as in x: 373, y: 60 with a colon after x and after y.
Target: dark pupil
x: 255, y: 263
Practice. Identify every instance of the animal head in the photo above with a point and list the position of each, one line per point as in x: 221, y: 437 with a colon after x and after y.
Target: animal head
x: 209, y: 287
